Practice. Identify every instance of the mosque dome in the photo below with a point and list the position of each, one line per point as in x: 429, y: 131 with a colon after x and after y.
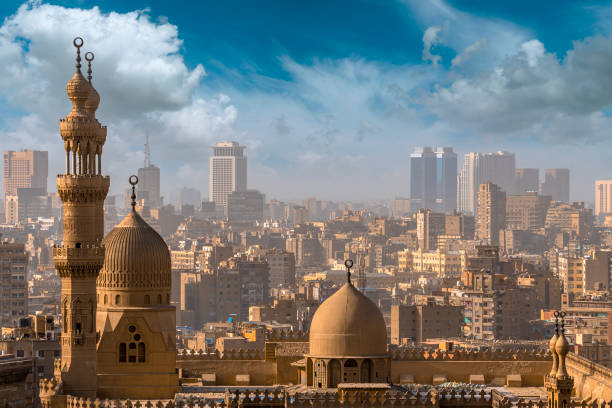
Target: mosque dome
x: 136, y: 260
x: 562, y: 347
x: 348, y: 324
x: 78, y: 89
x: 93, y: 101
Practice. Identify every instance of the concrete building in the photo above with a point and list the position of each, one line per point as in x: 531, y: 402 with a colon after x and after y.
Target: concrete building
x: 491, y: 213
x: 25, y: 169
x: 149, y: 181
x: 13, y: 283
x: 556, y: 184
x: 245, y: 206
x: 459, y: 225
x: 430, y: 226
x: 228, y: 171
x: 400, y: 207
x: 446, y: 179
x: 417, y: 323
x: 498, y: 168
x: 603, y: 197
x: 441, y: 263
x: 423, y: 178
x: 526, y: 211
x: 526, y: 180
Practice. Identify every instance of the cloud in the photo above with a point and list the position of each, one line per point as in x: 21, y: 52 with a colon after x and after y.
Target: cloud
x: 144, y: 83
x: 280, y: 125
x: 534, y: 91
x: 468, y: 52
x: 430, y: 39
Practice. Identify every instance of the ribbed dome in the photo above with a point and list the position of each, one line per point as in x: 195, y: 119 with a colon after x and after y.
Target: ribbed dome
x: 78, y: 89
x: 136, y: 257
x: 348, y: 324
x: 93, y: 101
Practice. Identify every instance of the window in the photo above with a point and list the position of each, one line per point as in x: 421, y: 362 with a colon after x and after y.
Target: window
x: 117, y: 299
x: 122, y: 353
x: 20, y: 353
x: 105, y: 299
x: 141, y: 352
x: 159, y: 299
x: 147, y: 300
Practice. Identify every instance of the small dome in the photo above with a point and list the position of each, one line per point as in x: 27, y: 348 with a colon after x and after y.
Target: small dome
x: 78, y: 89
x: 136, y: 257
x: 562, y: 347
x: 348, y: 324
x: 93, y: 101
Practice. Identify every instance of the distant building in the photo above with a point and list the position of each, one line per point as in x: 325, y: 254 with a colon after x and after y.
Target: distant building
x: 422, y: 178
x: 189, y: 196
x: 417, y: 323
x: 400, y: 207
x: 526, y: 211
x: 14, y: 283
x: 446, y: 179
x: 527, y: 180
x: 498, y: 168
x: 245, y: 206
x: 491, y: 213
x: 149, y: 181
x: 228, y: 171
x: 25, y: 169
x: 430, y: 226
x: 557, y: 184
x: 603, y: 197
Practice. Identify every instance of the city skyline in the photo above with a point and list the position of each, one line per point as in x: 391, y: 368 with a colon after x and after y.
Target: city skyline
x: 303, y: 135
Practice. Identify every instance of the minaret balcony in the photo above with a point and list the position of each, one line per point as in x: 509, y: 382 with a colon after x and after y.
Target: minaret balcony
x: 84, y: 261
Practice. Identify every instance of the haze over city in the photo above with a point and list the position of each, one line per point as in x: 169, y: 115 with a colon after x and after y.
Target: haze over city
x: 283, y: 204
x: 324, y: 95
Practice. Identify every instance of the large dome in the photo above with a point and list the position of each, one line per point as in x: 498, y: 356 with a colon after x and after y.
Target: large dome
x: 348, y: 324
x: 136, y: 257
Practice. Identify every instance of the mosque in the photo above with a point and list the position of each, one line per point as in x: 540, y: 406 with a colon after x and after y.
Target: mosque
x: 118, y: 346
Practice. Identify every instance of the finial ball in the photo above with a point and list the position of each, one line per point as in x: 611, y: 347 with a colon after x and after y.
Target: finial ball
x: 133, y: 180
x: 348, y: 263
x: 89, y: 56
x: 78, y: 42
x: 556, y: 314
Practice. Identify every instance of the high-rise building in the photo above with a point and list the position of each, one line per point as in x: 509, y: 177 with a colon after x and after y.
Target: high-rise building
x: 527, y: 211
x: 446, y: 179
x: 25, y: 169
x: 526, y: 180
x: 603, y: 197
x: 245, y: 206
x: 228, y: 171
x: 556, y: 184
x: 422, y: 178
x: 430, y: 226
x: 149, y: 181
x: 498, y: 168
x: 13, y: 283
x: 491, y: 213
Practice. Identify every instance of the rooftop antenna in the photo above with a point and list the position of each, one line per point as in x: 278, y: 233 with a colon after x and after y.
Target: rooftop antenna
x: 147, y: 160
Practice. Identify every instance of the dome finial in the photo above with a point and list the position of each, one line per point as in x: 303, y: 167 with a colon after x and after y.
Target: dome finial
x: 133, y: 181
x: 349, y: 264
x: 89, y: 56
x: 78, y: 43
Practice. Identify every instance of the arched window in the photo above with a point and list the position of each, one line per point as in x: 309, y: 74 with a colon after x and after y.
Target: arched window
x: 122, y: 353
x: 132, y: 353
x: 159, y: 299
x: 147, y: 300
x: 141, y: 352
x: 117, y: 299
x: 105, y: 299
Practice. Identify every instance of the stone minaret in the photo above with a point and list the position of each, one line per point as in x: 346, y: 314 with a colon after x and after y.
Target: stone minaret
x: 558, y: 382
x: 79, y: 259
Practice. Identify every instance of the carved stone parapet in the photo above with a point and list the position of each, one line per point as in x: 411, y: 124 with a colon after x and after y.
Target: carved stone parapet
x: 78, y: 262
x: 82, y: 188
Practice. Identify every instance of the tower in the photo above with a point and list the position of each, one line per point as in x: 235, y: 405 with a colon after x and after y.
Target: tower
x: 490, y: 213
x: 79, y: 258
x: 149, y: 178
x: 558, y: 382
x: 228, y: 171
x: 446, y: 179
x: 422, y: 178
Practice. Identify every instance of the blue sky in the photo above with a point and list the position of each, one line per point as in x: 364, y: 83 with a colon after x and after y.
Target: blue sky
x: 329, y: 97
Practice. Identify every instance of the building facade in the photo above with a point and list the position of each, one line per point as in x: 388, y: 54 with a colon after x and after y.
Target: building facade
x: 228, y: 171
x: 556, y: 184
x: 13, y: 283
x: 491, y: 213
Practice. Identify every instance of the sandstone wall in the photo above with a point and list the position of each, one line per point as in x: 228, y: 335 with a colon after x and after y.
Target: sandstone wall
x: 591, y: 381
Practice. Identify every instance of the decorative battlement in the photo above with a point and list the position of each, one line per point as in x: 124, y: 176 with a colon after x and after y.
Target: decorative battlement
x: 289, y: 336
x: 228, y: 355
x: 408, y: 354
x: 82, y: 188
x: 83, y: 261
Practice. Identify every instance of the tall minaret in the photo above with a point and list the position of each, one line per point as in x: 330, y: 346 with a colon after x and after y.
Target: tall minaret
x: 559, y: 384
x: 79, y: 259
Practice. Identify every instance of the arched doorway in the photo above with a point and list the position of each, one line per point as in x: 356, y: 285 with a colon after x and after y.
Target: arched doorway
x: 334, y: 373
x: 351, y: 371
x: 365, y: 371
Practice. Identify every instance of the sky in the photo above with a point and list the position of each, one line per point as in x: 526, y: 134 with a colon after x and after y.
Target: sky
x: 330, y: 98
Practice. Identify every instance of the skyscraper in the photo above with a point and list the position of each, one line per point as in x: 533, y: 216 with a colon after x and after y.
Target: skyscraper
x: 603, y: 197
x: 422, y: 178
x: 446, y: 179
x: 557, y: 184
x: 149, y: 180
x: 526, y: 180
x: 25, y: 169
x: 228, y: 171
x: 498, y: 168
x: 491, y: 213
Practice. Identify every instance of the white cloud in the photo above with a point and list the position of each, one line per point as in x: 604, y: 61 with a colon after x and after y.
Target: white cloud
x: 468, y: 52
x: 144, y: 83
x: 430, y: 39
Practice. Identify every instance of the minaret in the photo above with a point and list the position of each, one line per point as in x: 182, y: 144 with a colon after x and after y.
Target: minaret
x: 558, y: 382
x: 79, y: 259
